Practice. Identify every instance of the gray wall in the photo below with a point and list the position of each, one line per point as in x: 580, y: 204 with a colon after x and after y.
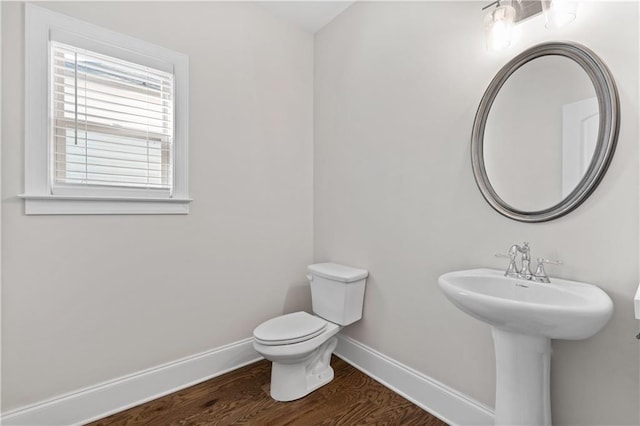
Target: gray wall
x: 91, y: 298
x: 396, y: 89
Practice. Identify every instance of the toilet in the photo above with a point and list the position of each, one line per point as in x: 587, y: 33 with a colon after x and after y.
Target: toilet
x: 299, y: 344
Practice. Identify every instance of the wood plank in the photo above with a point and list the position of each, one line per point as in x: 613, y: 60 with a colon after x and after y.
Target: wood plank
x: 242, y: 397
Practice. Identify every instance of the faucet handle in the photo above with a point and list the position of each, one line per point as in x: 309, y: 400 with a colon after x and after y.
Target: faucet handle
x: 542, y: 260
x: 540, y: 274
x: 506, y: 256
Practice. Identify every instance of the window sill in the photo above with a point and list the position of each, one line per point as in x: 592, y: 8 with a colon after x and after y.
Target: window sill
x: 61, y: 205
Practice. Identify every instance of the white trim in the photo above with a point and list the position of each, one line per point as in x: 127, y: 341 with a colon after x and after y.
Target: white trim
x: 40, y: 25
x: 63, y: 205
x: 443, y: 402
x: 1, y: 316
x: 638, y: 239
x: 96, y: 402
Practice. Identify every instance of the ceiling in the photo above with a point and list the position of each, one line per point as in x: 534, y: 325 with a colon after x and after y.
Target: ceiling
x: 310, y: 15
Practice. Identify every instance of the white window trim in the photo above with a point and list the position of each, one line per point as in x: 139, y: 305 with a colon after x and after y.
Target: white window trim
x: 40, y: 24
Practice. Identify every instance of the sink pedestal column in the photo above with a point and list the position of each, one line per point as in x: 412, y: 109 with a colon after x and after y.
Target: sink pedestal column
x: 522, y: 379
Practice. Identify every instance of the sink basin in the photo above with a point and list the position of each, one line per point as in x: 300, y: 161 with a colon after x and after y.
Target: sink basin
x: 561, y: 309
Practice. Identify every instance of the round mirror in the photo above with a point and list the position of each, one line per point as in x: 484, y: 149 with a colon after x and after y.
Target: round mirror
x: 544, y: 136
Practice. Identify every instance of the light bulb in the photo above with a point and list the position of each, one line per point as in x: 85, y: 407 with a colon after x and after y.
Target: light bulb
x: 559, y: 13
x: 498, y: 26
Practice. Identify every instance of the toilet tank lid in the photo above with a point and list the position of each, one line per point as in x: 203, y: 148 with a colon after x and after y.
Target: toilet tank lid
x: 337, y: 272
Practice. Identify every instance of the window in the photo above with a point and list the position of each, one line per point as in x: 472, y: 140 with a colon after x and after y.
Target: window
x: 111, y: 121
x: 106, y: 121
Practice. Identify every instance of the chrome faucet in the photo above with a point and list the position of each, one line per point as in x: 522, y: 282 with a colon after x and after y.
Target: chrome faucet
x: 524, y: 272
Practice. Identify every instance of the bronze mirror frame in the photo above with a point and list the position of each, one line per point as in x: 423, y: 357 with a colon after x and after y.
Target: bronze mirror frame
x: 609, y: 124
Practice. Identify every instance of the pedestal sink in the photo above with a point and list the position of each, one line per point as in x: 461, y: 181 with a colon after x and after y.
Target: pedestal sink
x: 524, y: 317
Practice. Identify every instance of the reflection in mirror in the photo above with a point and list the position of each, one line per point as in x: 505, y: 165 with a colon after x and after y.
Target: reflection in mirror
x: 541, y: 133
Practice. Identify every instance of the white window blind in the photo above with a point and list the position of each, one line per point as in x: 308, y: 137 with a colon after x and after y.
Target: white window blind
x: 112, y: 122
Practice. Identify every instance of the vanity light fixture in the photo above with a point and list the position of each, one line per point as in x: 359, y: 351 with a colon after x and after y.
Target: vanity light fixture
x: 498, y: 26
x: 499, y: 22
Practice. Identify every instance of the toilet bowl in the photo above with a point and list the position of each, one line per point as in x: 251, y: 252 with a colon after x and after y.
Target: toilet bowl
x: 299, y: 344
x: 299, y: 367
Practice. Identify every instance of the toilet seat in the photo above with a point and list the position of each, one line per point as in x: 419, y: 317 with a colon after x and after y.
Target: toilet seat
x: 288, y: 329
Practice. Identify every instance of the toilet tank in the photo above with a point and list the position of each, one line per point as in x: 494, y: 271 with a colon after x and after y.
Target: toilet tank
x: 337, y: 292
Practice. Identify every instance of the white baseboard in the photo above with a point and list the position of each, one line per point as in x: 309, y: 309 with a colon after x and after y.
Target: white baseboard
x: 96, y: 402
x: 107, y: 398
x: 443, y: 402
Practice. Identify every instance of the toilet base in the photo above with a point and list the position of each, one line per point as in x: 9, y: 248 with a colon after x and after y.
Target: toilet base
x: 293, y: 381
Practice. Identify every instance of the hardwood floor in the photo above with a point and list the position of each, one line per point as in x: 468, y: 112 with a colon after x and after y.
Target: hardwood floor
x: 242, y: 397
